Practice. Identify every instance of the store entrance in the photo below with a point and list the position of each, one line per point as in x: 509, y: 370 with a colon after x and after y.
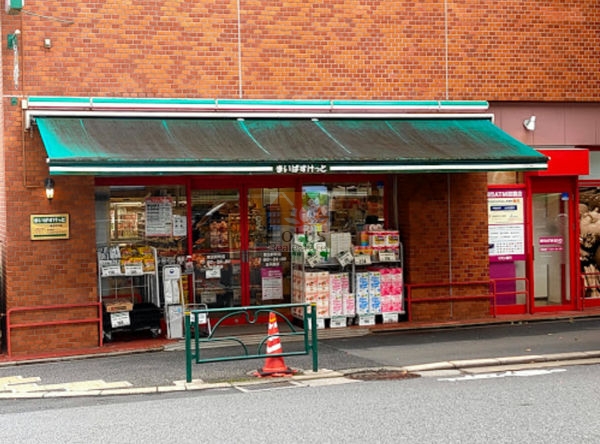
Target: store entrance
x: 552, y: 207
x: 241, y: 245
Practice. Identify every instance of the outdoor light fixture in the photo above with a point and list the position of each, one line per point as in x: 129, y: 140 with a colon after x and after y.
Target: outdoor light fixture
x: 49, y: 185
x: 529, y: 124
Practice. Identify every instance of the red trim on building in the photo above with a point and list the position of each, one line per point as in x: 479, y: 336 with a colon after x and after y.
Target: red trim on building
x: 565, y: 162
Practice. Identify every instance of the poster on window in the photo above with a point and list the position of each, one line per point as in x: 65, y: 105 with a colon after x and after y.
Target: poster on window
x: 589, y: 239
x: 506, y: 225
x: 315, y: 209
x: 159, y: 216
x: 272, y: 283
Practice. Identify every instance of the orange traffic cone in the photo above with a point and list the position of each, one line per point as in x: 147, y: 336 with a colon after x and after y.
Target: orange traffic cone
x: 274, y: 366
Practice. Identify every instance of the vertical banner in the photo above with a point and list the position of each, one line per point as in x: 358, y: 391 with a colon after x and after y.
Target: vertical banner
x: 506, y: 225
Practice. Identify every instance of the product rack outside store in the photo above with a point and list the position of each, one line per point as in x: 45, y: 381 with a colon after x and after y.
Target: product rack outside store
x: 349, y: 284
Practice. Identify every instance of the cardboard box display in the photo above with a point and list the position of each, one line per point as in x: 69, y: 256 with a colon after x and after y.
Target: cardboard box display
x: 362, y: 284
x: 362, y: 303
x: 374, y: 283
x: 323, y: 281
x: 311, y: 281
x: 349, y: 303
x: 375, y: 304
x: 115, y: 305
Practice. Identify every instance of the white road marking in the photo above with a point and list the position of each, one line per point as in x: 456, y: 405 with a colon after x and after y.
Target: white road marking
x: 510, y: 373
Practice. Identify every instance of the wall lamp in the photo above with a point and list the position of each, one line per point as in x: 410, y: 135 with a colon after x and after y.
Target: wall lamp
x: 49, y: 185
x: 529, y: 124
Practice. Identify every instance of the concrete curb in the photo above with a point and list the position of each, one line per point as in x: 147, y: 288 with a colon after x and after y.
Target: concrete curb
x: 501, y: 361
x: 308, y: 377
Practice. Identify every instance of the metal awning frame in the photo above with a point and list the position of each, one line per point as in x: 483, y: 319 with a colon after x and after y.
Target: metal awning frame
x: 88, y: 107
x: 238, y: 109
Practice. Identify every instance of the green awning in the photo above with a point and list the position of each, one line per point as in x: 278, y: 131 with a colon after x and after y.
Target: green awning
x: 143, y: 146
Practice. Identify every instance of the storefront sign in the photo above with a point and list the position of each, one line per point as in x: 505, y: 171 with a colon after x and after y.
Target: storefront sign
x: 506, y: 225
x: 49, y: 226
x: 301, y: 168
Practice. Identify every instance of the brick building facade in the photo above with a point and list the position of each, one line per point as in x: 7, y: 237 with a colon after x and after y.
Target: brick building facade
x: 373, y: 50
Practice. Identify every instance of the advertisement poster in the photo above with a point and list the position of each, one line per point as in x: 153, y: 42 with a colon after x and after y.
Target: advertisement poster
x: 272, y: 283
x: 159, y: 216
x: 506, y: 225
x: 315, y: 209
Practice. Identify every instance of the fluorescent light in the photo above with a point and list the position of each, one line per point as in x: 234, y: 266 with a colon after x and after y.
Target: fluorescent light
x: 159, y: 169
x: 415, y: 168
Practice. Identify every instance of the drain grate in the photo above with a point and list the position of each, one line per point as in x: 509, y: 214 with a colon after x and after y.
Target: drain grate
x: 267, y: 386
x: 381, y: 375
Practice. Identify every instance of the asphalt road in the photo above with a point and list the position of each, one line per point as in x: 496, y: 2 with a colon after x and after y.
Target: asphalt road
x: 375, y: 350
x: 522, y: 407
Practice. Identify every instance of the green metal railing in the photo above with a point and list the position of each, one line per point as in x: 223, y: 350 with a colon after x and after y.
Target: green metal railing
x: 197, y: 317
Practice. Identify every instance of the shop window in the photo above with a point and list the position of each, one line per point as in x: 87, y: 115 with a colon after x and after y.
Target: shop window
x: 589, y: 220
x: 342, y: 208
x: 143, y: 215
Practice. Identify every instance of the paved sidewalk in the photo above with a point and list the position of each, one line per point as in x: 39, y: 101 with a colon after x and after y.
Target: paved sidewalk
x: 457, y: 351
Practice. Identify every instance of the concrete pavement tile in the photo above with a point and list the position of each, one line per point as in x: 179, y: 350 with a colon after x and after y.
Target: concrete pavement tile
x: 169, y: 389
x: 11, y: 380
x: 461, y: 363
x: 440, y: 373
x: 20, y: 395
x: 71, y: 394
x: 442, y: 365
x: 328, y: 381
x: 322, y: 373
x: 564, y: 356
x: 519, y: 359
x: 129, y: 391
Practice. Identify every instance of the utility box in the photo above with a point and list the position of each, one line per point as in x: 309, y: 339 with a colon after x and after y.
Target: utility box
x: 13, y: 6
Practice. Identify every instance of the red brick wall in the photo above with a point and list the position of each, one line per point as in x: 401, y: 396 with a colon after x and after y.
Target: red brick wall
x: 443, y: 225
x: 372, y: 49
x: 49, y: 272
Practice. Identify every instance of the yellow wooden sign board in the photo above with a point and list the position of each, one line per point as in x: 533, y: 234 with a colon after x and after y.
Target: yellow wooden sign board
x: 49, y: 226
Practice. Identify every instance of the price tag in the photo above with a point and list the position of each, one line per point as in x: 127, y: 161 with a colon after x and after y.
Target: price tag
x: 362, y: 259
x: 110, y: 270
x: 134, y: 269
x: 344, y: 258
x: 387, y: 256
x: 202, y: 318
x: 313, y: 261
x: 213, y: 273
x: 120, y: 319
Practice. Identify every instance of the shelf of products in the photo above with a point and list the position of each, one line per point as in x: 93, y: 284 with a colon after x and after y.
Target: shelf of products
x: 349, y: 283
x: 129, y: 289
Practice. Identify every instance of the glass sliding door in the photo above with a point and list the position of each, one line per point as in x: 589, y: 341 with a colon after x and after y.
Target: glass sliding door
x: 217, y: 246
x: 552, y: 238
x: 271, y: 227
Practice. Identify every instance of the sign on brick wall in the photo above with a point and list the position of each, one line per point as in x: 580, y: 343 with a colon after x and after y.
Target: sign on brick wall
x: 49, y: 226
